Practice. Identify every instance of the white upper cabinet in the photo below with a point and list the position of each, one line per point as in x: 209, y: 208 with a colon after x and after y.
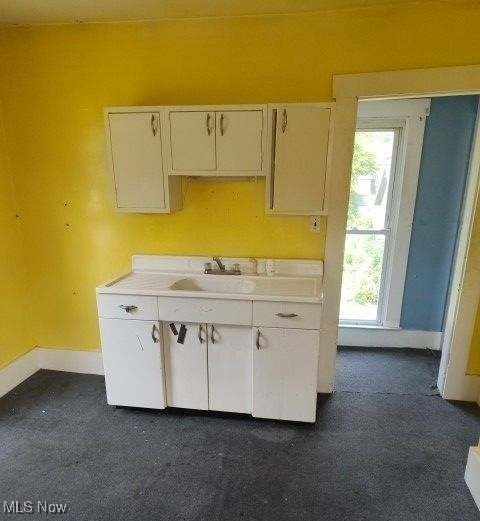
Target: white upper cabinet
x: 222, y: 141
x: 300, y: 140
x: 192, y: 141
x: 135, y: 157
x: 151, y: 147
x: 239, y: 140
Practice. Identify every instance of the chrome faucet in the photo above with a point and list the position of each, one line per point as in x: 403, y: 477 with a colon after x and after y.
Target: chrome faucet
x: 219, y: 262
x: 221, y: 270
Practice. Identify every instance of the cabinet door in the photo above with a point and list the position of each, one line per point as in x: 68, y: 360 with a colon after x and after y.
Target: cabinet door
x: 132, y: 359
x: 136, y: 155
x: 285, y: 373
x: 239, y: 141
x: 186, y: 367
x: 192, y: 141
x: 300, y: 164
x: 230, y: 368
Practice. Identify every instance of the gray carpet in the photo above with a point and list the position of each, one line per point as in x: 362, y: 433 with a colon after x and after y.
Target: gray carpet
x: 369, y: 457
x: 381, y: 370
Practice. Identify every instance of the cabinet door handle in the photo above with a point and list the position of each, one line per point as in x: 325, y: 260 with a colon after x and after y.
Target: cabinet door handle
x: 212, y: 338
x: 153, y: 125
x: 284, y: 121
x: 286, y: 315
x: 222, y: 130
x: 200, y: 331
x: 128, y: 309
x: 209, y: 130
x: 257, y: 342
x: 154, y: 336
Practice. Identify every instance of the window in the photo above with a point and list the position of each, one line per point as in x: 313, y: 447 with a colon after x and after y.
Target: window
x: 385, y: 168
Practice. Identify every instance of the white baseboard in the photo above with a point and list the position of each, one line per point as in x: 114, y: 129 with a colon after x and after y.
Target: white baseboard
x: 384, y: 337
x: 86, y: 362
x: 472, y: 473
x: 18, y: 371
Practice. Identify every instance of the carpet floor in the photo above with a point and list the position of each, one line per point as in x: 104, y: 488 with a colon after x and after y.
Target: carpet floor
x: 372, y: 455
x: 395, y: 371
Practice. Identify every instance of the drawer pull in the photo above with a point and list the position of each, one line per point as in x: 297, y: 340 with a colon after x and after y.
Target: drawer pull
x: 212, y: 338
x: 128, y: 309
x: 286, y: 315
x: 257, y: 342
x: 154, y: 336
x: 200, y: 331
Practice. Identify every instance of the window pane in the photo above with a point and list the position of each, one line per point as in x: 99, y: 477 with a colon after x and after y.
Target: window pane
x: 371, y: 169
x: 362, y: 272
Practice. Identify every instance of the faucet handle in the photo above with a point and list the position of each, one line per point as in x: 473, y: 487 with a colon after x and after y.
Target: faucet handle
x: 254, y: 265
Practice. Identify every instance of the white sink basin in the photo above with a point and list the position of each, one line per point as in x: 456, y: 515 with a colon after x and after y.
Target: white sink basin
x: 215, y: 284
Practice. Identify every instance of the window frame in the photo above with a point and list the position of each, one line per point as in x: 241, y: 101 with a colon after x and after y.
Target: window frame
x: 408, y: 117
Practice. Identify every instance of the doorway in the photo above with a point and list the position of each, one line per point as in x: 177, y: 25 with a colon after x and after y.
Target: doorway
x: 407, y: 194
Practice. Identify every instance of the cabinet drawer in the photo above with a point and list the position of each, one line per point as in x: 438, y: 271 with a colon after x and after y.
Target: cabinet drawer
x: 214, y: 311
x: 127, y: 306
x: 296, y: 315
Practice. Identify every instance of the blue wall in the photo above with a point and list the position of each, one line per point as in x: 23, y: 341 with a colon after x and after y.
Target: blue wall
x: 444, y: 167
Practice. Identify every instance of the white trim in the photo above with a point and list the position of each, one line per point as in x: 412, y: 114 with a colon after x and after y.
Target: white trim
x: 394, y: 108
x: 472, y: 473
x: 86, y: 362
x: 387, y: 337
x: 463, y: 300
x: 17, y: 371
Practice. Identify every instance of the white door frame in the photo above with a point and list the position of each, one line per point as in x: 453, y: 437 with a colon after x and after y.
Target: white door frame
x: 347, y: 90
x: 459, y: 320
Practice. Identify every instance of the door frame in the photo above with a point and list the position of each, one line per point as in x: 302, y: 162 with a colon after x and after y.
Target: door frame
x: 435, y: 82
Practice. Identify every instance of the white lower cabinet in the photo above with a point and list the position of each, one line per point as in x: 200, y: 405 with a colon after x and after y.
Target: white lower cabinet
x: 269, y: 372
x: 285, y: 363
x: 230, y: 368
x: 133, y: 362
x: 186, y: 367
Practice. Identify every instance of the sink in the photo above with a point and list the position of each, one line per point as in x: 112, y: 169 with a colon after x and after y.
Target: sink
x: 212, y: 284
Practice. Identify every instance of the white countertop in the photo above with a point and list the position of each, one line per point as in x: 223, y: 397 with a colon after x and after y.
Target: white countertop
x: 292, y: 288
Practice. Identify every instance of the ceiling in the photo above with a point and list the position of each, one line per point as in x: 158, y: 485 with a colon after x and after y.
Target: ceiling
x: 70, y: 11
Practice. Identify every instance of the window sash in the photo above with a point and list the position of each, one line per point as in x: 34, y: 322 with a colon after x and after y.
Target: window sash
x: 397, y: 127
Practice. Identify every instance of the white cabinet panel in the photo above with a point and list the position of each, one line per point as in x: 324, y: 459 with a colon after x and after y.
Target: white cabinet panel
x: 239, y: 140
x: 136, y: 158
x: 301, y: 148
x: 230, y: 368
x: 296, y: 315
x: 132, y: 359
x: 212, y: 310
x: 186, y: 367
x: 285, y: 373
x: 192, y: 141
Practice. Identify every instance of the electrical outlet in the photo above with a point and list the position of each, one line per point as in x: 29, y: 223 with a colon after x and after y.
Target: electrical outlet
x: 314, y: 224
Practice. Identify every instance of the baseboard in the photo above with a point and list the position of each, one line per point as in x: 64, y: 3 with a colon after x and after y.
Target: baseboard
x: 17, y: 371
x: 86, y: 362
x: 472, y: 473
x: 384, y: 337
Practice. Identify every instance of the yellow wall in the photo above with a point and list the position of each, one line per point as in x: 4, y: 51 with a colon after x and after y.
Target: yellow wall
x: 15, y: 337
x: 58, y: 79
x: 474, y: 360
